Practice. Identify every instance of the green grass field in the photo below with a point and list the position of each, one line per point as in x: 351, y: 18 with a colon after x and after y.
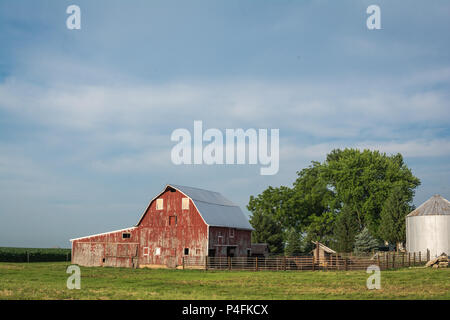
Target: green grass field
x: 48, y: 281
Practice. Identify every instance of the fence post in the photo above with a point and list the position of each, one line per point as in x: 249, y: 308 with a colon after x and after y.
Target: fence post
x: 256, y: 263
x: 378, y: 258
x: 414, y: 262
x: 284, y: 262
x: 229, y: 263
x: 345, y: 264
x: 428, y: 255
x: 386, y: 258
x: 393, y: 261
x: 403, y: 259
x: 206, y: 262
x: 420, y: 257
x: 183, y: 263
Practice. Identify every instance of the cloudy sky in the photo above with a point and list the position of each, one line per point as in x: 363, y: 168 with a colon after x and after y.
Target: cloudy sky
x: 86, y: 115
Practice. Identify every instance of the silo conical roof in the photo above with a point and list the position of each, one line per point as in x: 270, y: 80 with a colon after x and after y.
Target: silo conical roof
x: 436, y: 205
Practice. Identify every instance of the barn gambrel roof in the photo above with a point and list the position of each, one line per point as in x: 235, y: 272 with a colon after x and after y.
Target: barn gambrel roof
x: 214, y: 208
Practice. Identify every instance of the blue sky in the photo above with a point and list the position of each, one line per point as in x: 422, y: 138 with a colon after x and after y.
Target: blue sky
x: 86, y: 115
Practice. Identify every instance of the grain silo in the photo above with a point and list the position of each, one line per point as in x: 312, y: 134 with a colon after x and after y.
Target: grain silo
x: 428, y: 227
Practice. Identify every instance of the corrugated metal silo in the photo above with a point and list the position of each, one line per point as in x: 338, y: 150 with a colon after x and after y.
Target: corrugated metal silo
x: 428, y: 227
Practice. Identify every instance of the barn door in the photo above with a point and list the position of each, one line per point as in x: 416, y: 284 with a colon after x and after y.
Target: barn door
x: 171, y: 260
x: 135, y: 258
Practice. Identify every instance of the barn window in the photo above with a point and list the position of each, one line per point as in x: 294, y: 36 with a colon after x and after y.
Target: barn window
x: 157, y: 251
x: 145, y: 251
x: 185, y: 203
x: 172, y: 220
x: 219, y: 238
x: 159, y: 204
x: 231, y: 233
x: 186, y: 251
x: 126, y: 235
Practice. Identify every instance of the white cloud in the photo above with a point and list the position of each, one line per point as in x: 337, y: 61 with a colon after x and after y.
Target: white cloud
x: 126, y: 128
x: 410, y: 149
x: 319, y: 109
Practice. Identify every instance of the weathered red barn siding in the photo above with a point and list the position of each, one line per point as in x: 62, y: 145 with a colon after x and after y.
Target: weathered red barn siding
x: 108, y: 249
x: 190, y: 231
x: 220, y: 239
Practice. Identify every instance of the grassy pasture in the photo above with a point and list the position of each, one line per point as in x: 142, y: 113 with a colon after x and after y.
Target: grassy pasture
x: 48, y: 281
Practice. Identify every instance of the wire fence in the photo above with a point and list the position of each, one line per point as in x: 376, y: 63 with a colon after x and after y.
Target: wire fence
x: 385, y: 261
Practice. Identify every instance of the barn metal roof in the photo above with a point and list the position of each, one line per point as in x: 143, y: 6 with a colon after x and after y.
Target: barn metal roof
x: 436, y: 205
x: 215, y: 209
x: 104, y: 233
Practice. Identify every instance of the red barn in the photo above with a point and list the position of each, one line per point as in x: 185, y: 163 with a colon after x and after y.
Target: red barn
x: 179, y: 222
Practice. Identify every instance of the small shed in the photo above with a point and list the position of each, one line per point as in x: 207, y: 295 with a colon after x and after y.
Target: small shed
x: 260, y: 250
x: 322, y: 254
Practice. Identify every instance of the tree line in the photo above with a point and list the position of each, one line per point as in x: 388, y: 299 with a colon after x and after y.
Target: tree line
x: 353, y: 201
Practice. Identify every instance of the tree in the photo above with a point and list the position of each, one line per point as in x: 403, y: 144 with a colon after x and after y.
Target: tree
x: 320, y: 228
x: 296, y: 244
x: 364, y: 242
x: 345, y: 230
x: 363, y: 180
x: 393, y: 215
x: 267, y: 231
x: 350, y: 179
x: 266, y: 219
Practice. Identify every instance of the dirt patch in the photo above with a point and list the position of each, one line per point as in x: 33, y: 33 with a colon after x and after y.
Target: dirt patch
x: 11, y: 267
x: 6, y: 293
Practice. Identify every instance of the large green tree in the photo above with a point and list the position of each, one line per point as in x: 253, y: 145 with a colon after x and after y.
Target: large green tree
x: 331, y: 201
x: 363, y: 180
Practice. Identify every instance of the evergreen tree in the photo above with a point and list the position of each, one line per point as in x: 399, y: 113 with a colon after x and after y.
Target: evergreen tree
x: 346, y: 228
x: 295, y: 244
x: 395, y: 209
x: 364, y: 242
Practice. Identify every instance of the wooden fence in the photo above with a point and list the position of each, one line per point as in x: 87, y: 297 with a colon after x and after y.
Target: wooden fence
x: 385, y: 260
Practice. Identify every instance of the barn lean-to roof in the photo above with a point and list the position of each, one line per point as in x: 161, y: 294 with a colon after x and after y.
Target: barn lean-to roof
x: 214, y: 208
x: 103, y: 233
x: 436, y: 205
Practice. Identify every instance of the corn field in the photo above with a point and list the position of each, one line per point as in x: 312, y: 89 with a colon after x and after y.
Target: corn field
x: 9, y: 254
